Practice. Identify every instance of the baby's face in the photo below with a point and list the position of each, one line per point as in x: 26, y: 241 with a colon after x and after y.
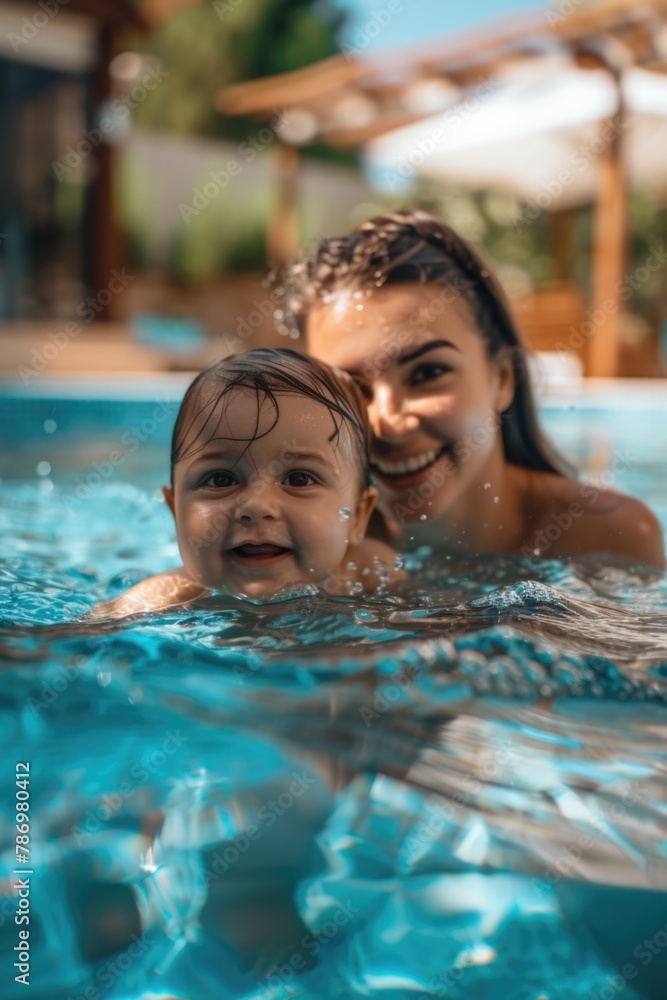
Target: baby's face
x: 284, y: 509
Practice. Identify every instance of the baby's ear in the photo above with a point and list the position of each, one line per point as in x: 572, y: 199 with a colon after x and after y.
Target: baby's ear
x: 365, y: 507
x: 168, y: 494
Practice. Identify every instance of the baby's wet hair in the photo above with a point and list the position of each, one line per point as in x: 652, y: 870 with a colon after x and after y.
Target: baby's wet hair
x: 270, y: 373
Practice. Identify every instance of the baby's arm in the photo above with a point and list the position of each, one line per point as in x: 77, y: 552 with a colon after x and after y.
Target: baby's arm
x: 156, y: 593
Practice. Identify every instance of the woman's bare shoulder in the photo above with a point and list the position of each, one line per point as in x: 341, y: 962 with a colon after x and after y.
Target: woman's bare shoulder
x: 156, y: 593
x: 584, y: 518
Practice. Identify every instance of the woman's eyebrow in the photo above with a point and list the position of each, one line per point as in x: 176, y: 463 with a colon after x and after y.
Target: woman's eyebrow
x: 403, y: 359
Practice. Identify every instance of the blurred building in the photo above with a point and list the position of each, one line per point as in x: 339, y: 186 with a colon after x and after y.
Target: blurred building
x: 57, y: 237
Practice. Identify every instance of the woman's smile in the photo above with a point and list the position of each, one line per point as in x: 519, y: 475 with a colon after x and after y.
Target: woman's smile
x: 409, y: 467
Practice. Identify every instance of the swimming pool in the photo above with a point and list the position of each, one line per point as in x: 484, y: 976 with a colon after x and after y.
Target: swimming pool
x: 459, y: 796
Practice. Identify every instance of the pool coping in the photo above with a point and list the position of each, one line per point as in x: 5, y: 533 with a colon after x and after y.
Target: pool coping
x: 626, y: 394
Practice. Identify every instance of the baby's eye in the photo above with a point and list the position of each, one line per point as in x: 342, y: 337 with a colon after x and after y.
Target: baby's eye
x: 219, y: 479
x: 299, y: 478
x: 424, y: 373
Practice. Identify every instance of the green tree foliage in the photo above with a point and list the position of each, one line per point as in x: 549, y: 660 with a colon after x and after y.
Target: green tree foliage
x: 214, y: 44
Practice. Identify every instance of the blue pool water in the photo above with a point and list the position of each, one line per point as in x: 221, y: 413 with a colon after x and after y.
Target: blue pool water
x: 458, y: 794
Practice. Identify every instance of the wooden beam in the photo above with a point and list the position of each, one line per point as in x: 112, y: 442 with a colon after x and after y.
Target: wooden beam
x: 271, y: 92
x: 156, y: 11
x: 112, y: 12
x: 610, y: 238
x: 283, y: 236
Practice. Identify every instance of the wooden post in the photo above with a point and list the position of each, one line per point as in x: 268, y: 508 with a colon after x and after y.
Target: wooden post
x: 105, y: 239
x: 609, y: 251
x: 283, y: 230
x: 561, y: 243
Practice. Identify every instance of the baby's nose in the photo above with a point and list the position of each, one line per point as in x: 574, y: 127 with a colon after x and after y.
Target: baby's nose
x: 258, y: 501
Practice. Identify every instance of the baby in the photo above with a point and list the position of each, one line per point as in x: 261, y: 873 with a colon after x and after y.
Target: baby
x: 270, y: 485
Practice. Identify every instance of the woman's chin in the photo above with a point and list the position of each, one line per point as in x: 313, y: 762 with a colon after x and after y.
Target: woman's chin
x: 419, y: 504
x: 410, y: 510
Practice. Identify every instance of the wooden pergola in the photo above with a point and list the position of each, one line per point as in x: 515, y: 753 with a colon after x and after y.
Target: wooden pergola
x: 348, y: 100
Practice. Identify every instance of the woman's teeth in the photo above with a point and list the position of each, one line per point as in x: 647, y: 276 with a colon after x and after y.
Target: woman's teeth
x: 408, y: 465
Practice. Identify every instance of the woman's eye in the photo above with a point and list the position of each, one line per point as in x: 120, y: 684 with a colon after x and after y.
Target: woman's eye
x: 299, y: 478
x: 219, y: 480
x: 424, y: 373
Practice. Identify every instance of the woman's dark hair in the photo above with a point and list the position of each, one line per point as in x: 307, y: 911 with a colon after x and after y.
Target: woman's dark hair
x: 270, y: 373
x: 409, y: 246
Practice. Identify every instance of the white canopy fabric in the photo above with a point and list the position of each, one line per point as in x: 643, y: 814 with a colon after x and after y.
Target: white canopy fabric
x: 536, y: 132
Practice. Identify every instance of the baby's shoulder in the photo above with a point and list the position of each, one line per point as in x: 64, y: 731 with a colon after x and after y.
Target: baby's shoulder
x: 155, y: 593
x: 371, y: 563
x: 375, y: 556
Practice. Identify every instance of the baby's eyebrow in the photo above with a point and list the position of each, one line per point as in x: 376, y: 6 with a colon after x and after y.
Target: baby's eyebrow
x: 216, y: 454
x: 291, y: 456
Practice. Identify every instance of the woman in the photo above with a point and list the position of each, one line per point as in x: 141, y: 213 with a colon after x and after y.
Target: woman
x: 407, y: 307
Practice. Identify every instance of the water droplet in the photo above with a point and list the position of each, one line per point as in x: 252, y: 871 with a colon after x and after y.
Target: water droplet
x: 487, y: 486
x: 399, y: 562
x: 352, y: 565
x: 496, y: 499
x: 104, y: 678
x: 45, y: 485
x: 422, y: 517
x: 50, y: 426
x: 278, y: 315
x: 43, y: 468
x: 344, y: 513
x: 537, y: 552
x: 359, y: 307
x: 294, y: 334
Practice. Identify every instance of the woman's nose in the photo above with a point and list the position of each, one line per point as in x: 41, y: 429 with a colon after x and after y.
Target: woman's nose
x: 389, y: 416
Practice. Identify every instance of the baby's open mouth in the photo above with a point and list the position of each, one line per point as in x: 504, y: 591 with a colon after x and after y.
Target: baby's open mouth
x: 260, y: 552
x: 411, y: 466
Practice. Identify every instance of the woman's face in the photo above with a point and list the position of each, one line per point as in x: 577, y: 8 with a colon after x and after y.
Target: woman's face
x: 435, y: 398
